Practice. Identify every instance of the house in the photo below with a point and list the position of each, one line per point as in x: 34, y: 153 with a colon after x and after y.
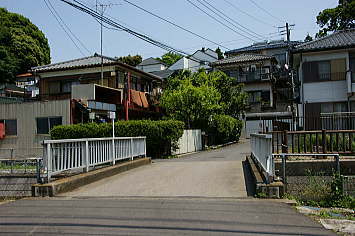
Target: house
x: 28, y: 83
x: 11, y: 90
x: 326, y: 69
x: 262, y: 68
x: 151, y: 64
x: 73, y: 92
x: 199, y: 59
x: 266, y: 101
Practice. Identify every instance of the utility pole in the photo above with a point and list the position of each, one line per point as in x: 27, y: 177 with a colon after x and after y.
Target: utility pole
x: 102, y: 10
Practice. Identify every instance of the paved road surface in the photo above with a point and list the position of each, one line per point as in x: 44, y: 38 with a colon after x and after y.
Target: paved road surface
x: 216, y: 173
x: 200, y: 194
x: 148, y: 216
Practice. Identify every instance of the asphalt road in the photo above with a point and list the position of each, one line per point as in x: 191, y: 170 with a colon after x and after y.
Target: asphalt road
x: 199, y: 194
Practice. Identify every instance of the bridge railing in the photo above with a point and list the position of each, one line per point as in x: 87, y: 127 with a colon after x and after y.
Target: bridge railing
x: 261, y: 149
x: 75, y: 154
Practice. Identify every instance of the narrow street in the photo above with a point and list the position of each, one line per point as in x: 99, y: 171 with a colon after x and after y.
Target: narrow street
x: 198, y: 194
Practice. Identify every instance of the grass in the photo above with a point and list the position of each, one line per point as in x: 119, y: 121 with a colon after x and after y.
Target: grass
x: 17, y: 167
x: 335, y: 214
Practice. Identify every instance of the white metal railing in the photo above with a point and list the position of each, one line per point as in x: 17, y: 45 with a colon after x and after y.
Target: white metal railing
x: 70, y: 154
x: 261, y: 149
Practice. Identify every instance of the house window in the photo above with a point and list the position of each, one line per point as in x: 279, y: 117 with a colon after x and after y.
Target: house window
x: 281, y: 58
x: 265, y: 96
x: 352, y: 67
x: 333, y: 107
x: 66, y: 86
x: 54, y: 87
x: 324, y: 70
x: 254, y: 97
x: 10, y: 126
x: 45, y: 124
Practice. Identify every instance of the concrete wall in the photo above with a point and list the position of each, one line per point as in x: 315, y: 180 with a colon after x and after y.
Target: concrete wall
x: 191, y: 141
x: 27, y: 143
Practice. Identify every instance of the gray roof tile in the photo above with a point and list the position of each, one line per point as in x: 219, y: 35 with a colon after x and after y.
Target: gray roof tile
x: 263, y: 46
x: 242, y: 59
x: 339, y: 39
x: 150, y: 61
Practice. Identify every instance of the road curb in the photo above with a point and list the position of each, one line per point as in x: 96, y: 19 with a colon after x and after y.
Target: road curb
x: 76, y: 181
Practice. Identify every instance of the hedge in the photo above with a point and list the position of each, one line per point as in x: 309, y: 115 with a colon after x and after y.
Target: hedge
x: 225, y: 129
x: 161, y: 135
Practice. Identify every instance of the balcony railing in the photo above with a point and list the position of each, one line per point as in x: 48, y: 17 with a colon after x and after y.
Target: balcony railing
x: 252, y: 77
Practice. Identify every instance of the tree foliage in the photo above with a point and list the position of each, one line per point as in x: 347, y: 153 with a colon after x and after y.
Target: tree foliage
x: 195, y: 97
x: 22, y: 46
x: 308, y: 38
x: 169, y: 58
x: 219, y: 53
x: 338, y: 18
x: 131, y: 60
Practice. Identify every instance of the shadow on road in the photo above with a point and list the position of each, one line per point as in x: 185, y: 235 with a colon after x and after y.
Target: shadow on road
x: 249, y: 180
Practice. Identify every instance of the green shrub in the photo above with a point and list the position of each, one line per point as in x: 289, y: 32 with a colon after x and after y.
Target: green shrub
x: 225, y: 128
x: 161, y: 135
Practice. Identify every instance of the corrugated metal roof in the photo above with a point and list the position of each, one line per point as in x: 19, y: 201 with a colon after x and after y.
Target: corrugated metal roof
x: 81, y: 62
x: 263, y: 45
x: 340, y: 39
x: 242, y: 58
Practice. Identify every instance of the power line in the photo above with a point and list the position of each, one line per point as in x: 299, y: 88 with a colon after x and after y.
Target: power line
x: 66, y: 32
x: 174, y: 24
x: 82, y: 7
x: 264, y: 10
x: 214, y: 18
x: 246, y: 30
x: 250, y: 15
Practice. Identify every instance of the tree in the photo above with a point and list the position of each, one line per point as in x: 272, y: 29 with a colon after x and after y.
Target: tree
x: 195, y: 97
x: 131, y: 60
x: 338, y: 18
x: 219, y: 53
x: 22, y: 46
x: 169, y: 58
x: 308, y: 38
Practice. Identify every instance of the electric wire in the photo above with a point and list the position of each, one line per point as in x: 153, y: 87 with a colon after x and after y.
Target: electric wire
x: 82, y: 7
x: 247, y: 14
x: 214, y: 18
x: 174, y: 24
x: 264, y: 10
x: 66, y: 32
x: 246, y: 30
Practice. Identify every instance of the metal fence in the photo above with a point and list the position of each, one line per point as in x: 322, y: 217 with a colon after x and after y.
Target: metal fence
x: 316, y: 141
x: 261, y: 149
x: 75, y: 154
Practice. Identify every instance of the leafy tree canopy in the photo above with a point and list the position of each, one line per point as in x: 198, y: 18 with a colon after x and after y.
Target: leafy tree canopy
x: 131, y: 60
x: 169, y: 58
x: 195, y: 97
x: 338, y: 18
x: 22, y: 46
x: 219, y: 53
x: 308, y: 38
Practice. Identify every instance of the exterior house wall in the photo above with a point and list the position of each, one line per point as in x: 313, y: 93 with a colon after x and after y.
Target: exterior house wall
x: 151, y: 68
x: 27, y: 143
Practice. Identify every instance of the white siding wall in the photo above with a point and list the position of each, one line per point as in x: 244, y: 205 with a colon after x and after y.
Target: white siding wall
x: 331, y: 91
x: 191, y: 141
x: 151, y: 68
x: 27, y: 143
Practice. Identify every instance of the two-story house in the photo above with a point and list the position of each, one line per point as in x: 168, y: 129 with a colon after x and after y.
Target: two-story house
x: 77, y: 91
x: 327, y: 75
x: 261, y: 68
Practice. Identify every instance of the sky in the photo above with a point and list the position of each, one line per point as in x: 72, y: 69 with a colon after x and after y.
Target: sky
x: 261, y: 18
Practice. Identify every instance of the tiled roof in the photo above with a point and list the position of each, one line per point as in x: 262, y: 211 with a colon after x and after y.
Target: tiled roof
x: 263, y: 45
x: 242, y: 59
x: 76, y: 63
x: 339, y: 39
x: 92, y: 61
x: 150, y: 61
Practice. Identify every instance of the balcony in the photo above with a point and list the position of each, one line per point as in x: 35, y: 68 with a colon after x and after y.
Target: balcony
x: 252, y: 77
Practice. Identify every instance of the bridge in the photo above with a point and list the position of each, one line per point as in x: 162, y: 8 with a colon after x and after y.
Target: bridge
x: 203, y: 193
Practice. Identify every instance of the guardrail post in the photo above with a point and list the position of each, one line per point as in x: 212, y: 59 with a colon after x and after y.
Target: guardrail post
x: 337, y: 161
x: 131, y: 149
x: 38, y: 170
x: 87, y: 164
x: 49, y: 162
x: 113, y: 152
x: 145, y: 146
